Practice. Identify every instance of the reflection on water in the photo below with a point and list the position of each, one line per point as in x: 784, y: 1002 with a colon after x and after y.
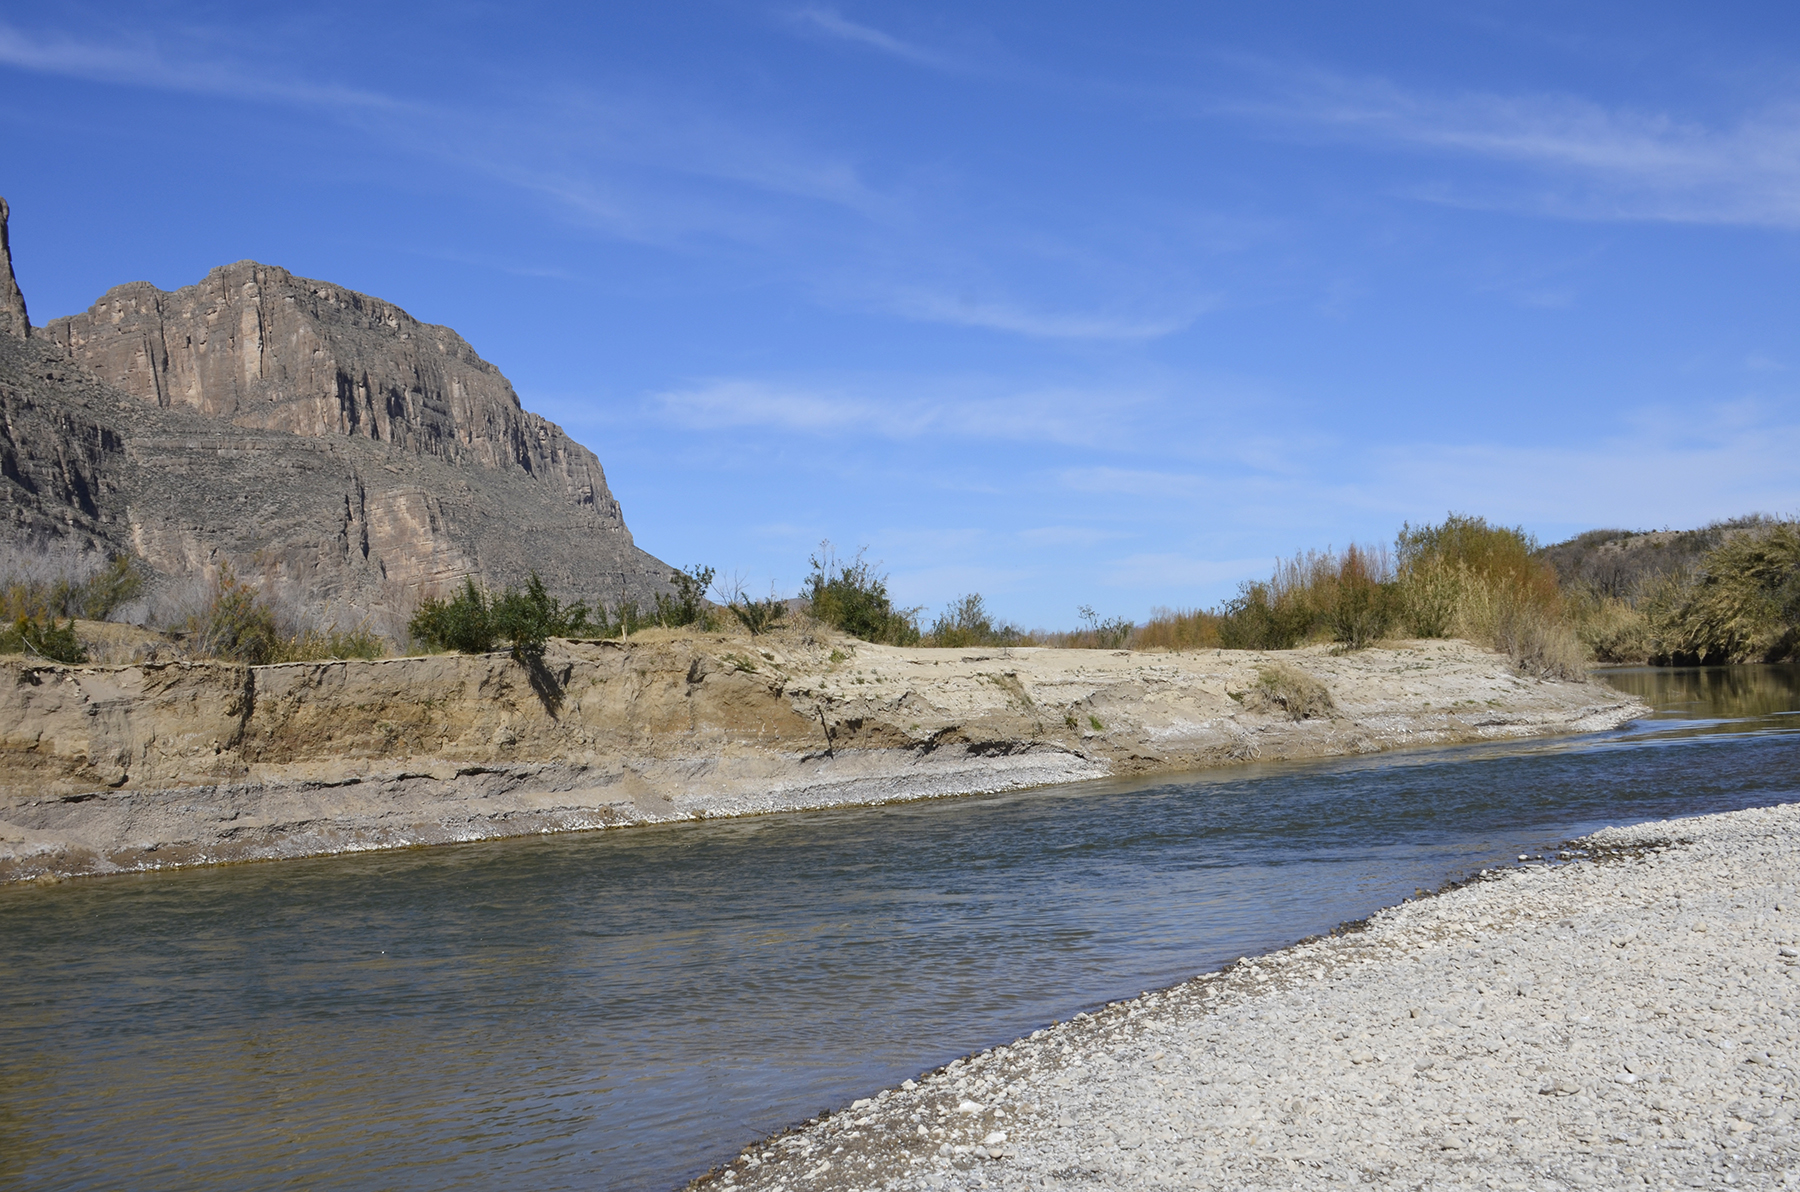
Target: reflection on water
x: 1712, y: 693
x: 622, y: 1009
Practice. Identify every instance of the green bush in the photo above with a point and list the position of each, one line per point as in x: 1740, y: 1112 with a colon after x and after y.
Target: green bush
x: 688, y: 605
x: 529, y: 617
x: 758, y: 616
x: 461, y: 623
x: 475, y: 622
x: 853, y: 597
x: 1742, y: 605
x: 966, y: 622
x: 43, y: 639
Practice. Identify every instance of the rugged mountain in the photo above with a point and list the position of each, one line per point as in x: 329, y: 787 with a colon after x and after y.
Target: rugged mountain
x: 301, y: 432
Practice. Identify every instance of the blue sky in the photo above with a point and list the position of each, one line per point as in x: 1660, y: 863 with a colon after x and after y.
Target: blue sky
x: 1066, y: 304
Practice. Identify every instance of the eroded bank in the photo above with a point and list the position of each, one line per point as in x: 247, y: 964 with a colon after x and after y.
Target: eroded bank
x: 112, y: 769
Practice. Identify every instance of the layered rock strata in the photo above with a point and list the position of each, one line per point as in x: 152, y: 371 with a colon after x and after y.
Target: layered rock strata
x: 104, y: 769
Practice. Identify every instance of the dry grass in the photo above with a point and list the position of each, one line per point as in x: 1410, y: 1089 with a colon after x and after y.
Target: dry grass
x: 1178, y: 629
x: 1611, y: 627
x: 1300, y: 696
x: 39, y: 581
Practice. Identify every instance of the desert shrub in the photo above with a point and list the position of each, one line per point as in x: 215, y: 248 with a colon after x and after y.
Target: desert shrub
x: 1104, y: 634
x: 1611, y: 627
x: 1348, y: 598
x: 625, y: 619
x: 43, y: 638
x: 759, y: 616
x: 1538, y: 641
x: 462, y: 623
x: 1742, y: 604
x: 1357, y: 597
x: 1096, y: 633
x: 1294, y: 692
x: 322, y: 645
x: 853, y: 597
x: 1263, y: 616
x: 688, y: 604
x: 235, y: 625
x: 40, y: 582
x: 475, y: 622
x: 966, y: 622
x: 1178, y: 629
x: 1491, y: 585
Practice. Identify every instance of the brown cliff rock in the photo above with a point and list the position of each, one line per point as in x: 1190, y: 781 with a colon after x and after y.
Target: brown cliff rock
x: 260, y: 348
x: 13, y: 320
x: 306, y: 434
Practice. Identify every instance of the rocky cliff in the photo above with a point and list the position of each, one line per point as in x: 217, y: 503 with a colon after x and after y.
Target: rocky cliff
x: 13, y: 321
x: 301, y: 432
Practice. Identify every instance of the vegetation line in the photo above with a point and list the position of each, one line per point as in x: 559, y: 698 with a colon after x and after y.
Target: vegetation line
x: 1729, y: 592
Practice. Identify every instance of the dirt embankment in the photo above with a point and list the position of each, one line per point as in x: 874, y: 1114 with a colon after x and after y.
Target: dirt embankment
x: 109, y: 769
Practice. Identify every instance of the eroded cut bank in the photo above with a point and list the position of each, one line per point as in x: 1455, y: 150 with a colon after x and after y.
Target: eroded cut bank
x: 112, y: 769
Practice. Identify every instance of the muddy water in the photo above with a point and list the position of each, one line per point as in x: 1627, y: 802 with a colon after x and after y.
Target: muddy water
x: 620, y: 1010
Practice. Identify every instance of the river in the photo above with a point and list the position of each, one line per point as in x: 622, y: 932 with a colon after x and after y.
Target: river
x: 623, y: 1009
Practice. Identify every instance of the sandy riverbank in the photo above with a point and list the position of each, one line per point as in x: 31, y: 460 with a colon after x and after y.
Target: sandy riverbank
x: 119, y: 768
x: 1628, y: 1020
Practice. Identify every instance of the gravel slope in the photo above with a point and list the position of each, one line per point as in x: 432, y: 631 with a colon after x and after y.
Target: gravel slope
x: 1625, y: 1020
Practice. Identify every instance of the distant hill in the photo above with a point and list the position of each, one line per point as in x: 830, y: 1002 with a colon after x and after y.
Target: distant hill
x: 1626, y: 564
x: 302, y: 433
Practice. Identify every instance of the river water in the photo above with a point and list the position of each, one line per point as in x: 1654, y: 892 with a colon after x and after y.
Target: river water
x: 622, y: 1009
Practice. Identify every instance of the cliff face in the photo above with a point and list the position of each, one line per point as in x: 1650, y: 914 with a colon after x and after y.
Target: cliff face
x: 301, y: 432
x: 256, y: 346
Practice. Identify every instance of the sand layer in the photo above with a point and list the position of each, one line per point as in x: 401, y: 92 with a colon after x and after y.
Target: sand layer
x: 1630, y: 1018
x: 106, y: 769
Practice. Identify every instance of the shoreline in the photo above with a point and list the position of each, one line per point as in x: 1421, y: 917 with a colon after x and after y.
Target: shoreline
x: 1629, y: 1017
x: 162, y: 765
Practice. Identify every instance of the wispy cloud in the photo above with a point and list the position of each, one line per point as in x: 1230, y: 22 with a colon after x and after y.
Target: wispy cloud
x: 143, y: 62
x: 1177, y: 571
x: 659, y: 171
x: 1039, y: 324
x: 1083, y: 536
x: 1599, y: 161
x: 1732, y: 458
x: 645, y: 168
x: 830, y: 23
x: 907, y: 410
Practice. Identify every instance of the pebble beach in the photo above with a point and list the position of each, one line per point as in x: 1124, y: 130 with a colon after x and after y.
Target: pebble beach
x: 1621, y: 1015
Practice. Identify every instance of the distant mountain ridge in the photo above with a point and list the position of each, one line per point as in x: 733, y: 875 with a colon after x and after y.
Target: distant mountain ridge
x: 300, y: 431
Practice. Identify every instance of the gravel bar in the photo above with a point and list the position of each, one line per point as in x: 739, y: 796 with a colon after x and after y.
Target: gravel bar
x: 1624, y: 1018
